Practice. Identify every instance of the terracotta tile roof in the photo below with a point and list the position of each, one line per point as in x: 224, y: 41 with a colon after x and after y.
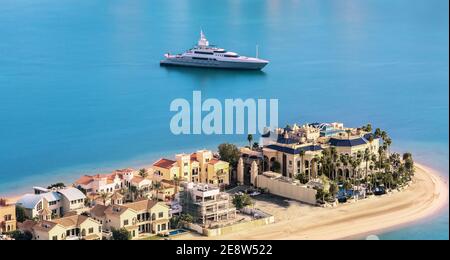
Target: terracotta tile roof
x: 71, y: 221
x: 137, y: 179
x: 164, y: 163
x: 117, y: 195
x: 214, y: 161
x: 26, y: 225
x: 122, y: 171
x: 141, y: 205
x: 115, y: 210
x: 98, y: 210
x: 44, y: 226
x: 194, y: 157
x: 85, y: 180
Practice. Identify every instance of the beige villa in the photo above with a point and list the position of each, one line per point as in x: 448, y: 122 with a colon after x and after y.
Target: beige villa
x: 7, y: 217
x: 140, y: 218
x: 199, y: 167
x: 76, y: 227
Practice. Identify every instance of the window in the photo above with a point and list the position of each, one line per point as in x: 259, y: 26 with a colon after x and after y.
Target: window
x: 125, y: 222
x: 186, y: 164
x: 39, y: 206
x: 231, y: 56
x: 55, y: 238
x: 290, y: 163
x: 203, y: 52
x: 91, y: 230
x: 160, y: 214
x: 163, y: 227
x: 186, y: 174
x: 100, y: 229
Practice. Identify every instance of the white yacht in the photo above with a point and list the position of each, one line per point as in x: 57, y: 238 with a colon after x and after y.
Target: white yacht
x: 204, y: 55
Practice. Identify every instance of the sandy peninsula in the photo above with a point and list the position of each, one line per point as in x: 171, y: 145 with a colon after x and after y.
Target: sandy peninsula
x: 427, y: 195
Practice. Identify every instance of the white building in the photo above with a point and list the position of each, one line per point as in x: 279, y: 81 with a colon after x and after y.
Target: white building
x: 56, y: 202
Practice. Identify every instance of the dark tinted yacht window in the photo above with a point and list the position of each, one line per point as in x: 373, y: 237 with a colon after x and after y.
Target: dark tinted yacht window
x: 203, y: 52
x: 231, y: 56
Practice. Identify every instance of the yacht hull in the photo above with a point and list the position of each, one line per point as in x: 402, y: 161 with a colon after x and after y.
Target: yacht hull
x: 214, y: 64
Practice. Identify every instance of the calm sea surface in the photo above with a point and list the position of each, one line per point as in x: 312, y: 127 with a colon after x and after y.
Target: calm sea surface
x: 81, y: 90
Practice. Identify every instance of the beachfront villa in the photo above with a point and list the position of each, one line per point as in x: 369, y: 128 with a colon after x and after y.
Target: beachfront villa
x: 74, y: 227
x: 297, y: 149
x: 99, y: 183
x: 140, y: 218
x: 52, y: 203
x: 7, y: 217
x: 198, y: 167
x: 206, y: 203
x: 117, y: 180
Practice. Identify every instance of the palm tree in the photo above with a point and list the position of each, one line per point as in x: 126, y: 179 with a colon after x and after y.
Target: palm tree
x: 344, y: 160
x: 366, y: 158
x: 380, y: 157
x: 176, y: 182
x: 302, y: 154
x: 250, y: 140
x: 158, y: 187
x: 383, y: 135
x: 388, y: 143
x: 377, y: 133
x: 355, y: 164
x: 133, y: 190
x: 104, y: 196
x: 348, y: 131
x: 143, y: 173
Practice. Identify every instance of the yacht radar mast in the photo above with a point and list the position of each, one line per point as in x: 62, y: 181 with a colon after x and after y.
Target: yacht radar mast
x: 203, y: 42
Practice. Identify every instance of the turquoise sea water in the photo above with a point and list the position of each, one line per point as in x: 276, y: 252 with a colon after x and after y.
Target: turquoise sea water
x: 81, y: 89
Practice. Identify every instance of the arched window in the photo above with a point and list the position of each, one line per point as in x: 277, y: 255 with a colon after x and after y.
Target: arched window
x: 153, y: 216
x: 347, y: 173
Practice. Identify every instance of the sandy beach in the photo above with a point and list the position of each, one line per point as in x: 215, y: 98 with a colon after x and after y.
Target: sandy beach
x: 427, y: 195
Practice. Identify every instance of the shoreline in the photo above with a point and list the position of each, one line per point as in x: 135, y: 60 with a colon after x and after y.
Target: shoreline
x: 425, y: 198
x: 355, y: 220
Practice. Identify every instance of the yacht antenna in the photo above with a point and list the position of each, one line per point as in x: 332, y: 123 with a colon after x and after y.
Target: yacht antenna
x: 257, y: 50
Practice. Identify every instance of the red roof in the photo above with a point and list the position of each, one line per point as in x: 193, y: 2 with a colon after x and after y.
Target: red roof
x: 164, y: 163
x: 124, y: 170
x: 214, y: 161
x: 86, y: 179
